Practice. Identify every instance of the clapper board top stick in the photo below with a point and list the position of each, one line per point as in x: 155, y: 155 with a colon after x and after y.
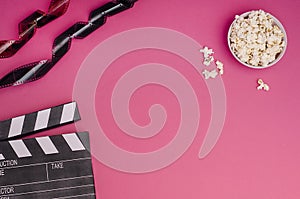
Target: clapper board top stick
x: 38, y: 121
x: 47, y: 167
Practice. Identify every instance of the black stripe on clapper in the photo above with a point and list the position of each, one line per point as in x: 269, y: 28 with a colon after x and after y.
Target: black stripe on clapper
x: 55, y: 116
x: 7, y: 151
x: 4, y: 129
x: 29, y: 123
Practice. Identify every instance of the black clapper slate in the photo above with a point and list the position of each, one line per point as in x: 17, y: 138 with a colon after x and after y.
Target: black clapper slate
x: 47, y: 167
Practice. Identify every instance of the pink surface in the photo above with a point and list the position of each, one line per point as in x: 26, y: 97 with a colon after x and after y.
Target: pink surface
x: 257, y: 155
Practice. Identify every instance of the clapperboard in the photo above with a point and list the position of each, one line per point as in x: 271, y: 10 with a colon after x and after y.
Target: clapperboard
x: 50, y: 167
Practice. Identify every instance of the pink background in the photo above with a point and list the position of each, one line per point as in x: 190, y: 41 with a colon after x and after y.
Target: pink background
x: 257, y: 155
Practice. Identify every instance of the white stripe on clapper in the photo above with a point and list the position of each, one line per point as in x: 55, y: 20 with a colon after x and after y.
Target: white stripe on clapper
x: 2, y: 157
x: 20, y: 148
x: 16, y: 126
x: 47, y: 145
x: 73, y: 142
x: 68, y: 112
x: 42, y: 119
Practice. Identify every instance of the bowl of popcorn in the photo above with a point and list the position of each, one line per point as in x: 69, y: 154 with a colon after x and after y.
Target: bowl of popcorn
x: 257, y: 39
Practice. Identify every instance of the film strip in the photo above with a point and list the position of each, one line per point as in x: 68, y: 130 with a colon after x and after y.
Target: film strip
x: 47, y: 167
x: 62, y: 43
x: 40, y: 120
x: 28, y: 26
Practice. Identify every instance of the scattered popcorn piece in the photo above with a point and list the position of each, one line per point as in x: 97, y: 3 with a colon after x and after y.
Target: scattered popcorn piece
x: 256, y: 39
x: 262, y: 85
x: 207, y: 61
x: 210, y: 74
x: 207, y: 52
x: 220, y: 67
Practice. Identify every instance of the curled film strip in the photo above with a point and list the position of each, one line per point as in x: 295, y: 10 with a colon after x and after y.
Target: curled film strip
x: 28, y: 26
x: 40, y: 120
x: 62, y: 43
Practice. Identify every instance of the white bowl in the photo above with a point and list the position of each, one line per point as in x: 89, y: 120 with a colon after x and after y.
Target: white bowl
x: 278, y: 57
